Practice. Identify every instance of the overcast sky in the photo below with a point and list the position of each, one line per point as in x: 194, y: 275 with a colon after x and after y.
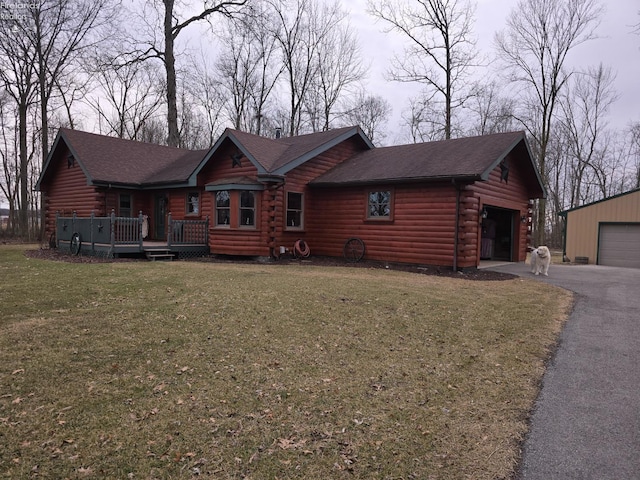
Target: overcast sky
x: 616, y: 47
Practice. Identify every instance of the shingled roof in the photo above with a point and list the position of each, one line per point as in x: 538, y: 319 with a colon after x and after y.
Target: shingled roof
x: 278, y: 156
x: 111, y: 160
x: 469, y: 159
x: 116, y: 161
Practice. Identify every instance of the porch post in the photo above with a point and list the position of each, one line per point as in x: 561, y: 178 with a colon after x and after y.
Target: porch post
x: 93, y: 243
x: 140, y: 229
x: 113, y: 229
x: 169, y: 230
x: 206, y: 230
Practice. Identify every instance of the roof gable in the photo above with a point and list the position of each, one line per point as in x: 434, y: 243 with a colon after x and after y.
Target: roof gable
x: 279, y: 156
x: 111, y: 160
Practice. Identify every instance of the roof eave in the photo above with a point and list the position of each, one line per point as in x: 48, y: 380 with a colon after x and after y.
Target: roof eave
x: 469, y: 178
x: 569, y: 210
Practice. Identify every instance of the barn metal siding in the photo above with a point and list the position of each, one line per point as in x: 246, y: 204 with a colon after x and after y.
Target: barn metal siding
x: 583, y: 223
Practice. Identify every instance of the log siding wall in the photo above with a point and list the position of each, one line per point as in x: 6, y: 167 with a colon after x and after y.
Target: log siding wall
x: 511, y: 195
x: 421, y: 230
x: 68, y: 193
x: 233, y: 239
x: 270, y: 231
x: 423, y: 225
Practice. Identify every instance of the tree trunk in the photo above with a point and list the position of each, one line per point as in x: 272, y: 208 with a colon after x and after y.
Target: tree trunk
x: 23, y: 219
x: 173, y: 139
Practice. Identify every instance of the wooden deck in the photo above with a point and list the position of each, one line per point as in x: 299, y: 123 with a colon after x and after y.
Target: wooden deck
x: 119, y: 236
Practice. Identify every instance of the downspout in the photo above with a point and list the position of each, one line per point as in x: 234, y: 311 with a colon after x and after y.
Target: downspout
x: 564, y: 235
x: 457, y: 227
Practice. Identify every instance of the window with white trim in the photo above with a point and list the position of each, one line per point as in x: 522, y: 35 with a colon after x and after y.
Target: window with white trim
x: 223, y: 208
x: 295, y: 210
x: 193, y: 203
x: 247, y: 209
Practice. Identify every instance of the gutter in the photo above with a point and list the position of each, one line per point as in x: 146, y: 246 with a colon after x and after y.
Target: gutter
x: 402, y: 180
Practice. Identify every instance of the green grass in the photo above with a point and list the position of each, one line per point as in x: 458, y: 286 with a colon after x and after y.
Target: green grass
x: 170, y: 370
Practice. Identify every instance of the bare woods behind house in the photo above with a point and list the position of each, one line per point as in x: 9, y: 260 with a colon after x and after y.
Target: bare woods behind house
x: 422, y: 203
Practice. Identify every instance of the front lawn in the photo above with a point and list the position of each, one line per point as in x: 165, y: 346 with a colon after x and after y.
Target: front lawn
x: 180, y: 369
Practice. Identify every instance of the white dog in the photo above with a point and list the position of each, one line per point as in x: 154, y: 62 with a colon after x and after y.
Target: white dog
x: 540, y: 261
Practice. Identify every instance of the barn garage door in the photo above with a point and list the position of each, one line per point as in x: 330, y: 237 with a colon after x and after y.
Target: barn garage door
x: 619, y: 245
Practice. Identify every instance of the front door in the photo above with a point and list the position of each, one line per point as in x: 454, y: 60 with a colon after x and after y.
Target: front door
x: 160, y: 218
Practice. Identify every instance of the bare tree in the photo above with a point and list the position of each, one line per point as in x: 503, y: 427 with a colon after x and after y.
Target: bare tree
x: 534, y: 48
x: 584, y: 105
x: 164, y: 48
x: 236, y: 66
x: 60, y: 31
x: 633, y: 134
x: 339, y: 69
x: 249, y: 66
x: 490, y: 111
x: 301, y: 27
x: 18, y: 79
x: 126, y: 98
x: 10, y: 184
x: 371, y: 113
x: 423, y: 120
x: 209, y: 100
x: 441, y: 50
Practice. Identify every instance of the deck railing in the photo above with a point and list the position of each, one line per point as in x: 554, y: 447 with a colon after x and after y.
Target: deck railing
x: 188, y: 232
x: 117, y: 231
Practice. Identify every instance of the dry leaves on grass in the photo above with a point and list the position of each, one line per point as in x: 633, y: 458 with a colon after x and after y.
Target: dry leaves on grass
x: 233, y: 371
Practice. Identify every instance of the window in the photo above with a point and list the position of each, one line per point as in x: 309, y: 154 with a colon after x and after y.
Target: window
x: 295, y: 215
x: 193, y: 203
x: 247, y: 209
x: 223, y: 207
x: 124, y: 205
x: 379, y: 205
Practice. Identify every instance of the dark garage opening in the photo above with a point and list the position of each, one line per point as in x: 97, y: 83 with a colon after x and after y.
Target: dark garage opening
x: 497, y: 234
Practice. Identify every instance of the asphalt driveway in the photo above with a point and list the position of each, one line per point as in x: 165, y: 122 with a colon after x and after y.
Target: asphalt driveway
x: 586, y: 421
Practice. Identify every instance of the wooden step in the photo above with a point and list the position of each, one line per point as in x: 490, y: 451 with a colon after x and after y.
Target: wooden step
x: 154, y: 255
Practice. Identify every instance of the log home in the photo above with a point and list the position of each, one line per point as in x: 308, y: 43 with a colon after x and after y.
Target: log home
x: 449, y: 203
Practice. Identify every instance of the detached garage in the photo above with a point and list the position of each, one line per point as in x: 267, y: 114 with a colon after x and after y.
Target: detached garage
x: 606, y: 232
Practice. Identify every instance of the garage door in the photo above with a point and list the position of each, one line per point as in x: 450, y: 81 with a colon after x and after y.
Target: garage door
x: 619, y: 245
